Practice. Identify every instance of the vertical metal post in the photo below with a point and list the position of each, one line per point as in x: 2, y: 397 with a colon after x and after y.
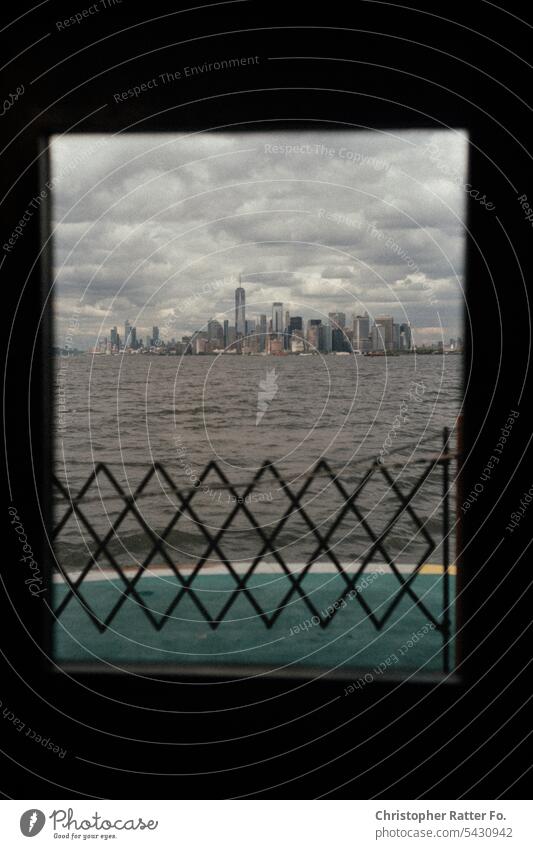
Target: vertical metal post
x: 445, y: 551
x: 459, y: 499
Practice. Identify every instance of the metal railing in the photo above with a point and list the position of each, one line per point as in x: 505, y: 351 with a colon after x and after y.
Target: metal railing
x: 157, y: 545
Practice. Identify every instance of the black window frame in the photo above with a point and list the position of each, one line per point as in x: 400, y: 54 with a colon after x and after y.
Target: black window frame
x: 178, y: 670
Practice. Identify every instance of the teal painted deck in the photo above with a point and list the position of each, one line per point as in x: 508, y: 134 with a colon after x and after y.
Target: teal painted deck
x: 349, y: 640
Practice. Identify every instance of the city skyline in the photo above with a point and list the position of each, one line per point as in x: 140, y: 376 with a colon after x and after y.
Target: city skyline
x: 159, y: 228
x: 281, y: 334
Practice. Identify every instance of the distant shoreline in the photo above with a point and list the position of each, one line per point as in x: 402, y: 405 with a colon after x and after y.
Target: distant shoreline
x: 371, y: 355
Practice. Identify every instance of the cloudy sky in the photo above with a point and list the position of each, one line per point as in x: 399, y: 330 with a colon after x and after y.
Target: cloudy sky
x: 157, y: 228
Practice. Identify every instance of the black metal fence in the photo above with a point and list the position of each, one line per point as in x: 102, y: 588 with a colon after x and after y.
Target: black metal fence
x: 156, y: 542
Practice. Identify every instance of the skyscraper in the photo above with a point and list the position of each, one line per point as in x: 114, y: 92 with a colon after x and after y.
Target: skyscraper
x: 378, y: 337
x: 395, y: 336
x: 277, y: 318
x: 339, y: 340
x: 313, y: 332
x: 114, y: 339
x: 215, y: 334
x: 325, y: 338
x: 337, y: 319
x: 361, y: 332
x: 240, y: 312
x: 296, y: 334
x: 297, y: 343
x: 155, y: 335
x: 286, y: 332
x: 405, y: 337
x: 127, y: 333
x: 262, y: 332
x: 386, y: 322
x: 226, y: 333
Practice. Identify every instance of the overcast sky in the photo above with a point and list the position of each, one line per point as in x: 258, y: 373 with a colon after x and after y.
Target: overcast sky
x: 157, y: 228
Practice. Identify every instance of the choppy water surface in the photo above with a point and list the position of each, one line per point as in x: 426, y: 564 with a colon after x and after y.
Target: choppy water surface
x: 134, y: 411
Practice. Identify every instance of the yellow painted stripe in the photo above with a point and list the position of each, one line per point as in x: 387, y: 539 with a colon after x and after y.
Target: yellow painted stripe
x: 162, y: 569
x: 437, y: 569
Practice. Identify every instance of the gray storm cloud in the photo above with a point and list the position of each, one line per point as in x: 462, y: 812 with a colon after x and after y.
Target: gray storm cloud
x: 144, y: 223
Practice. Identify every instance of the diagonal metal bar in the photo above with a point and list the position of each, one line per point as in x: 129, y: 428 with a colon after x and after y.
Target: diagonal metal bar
x: 295, y: 500
x: 323, y: 547
x: 214, y: 543
x: 378, y: 544
x: 158, y: 546
x: 406, y: 582
x: 101, y: 545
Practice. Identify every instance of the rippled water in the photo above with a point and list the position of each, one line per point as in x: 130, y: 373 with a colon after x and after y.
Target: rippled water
x: 134, y: 411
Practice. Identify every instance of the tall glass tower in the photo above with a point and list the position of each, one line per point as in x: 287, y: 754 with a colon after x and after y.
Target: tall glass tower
x: 240, y: 312
x: 277, y: 318
x: 361, y: 332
